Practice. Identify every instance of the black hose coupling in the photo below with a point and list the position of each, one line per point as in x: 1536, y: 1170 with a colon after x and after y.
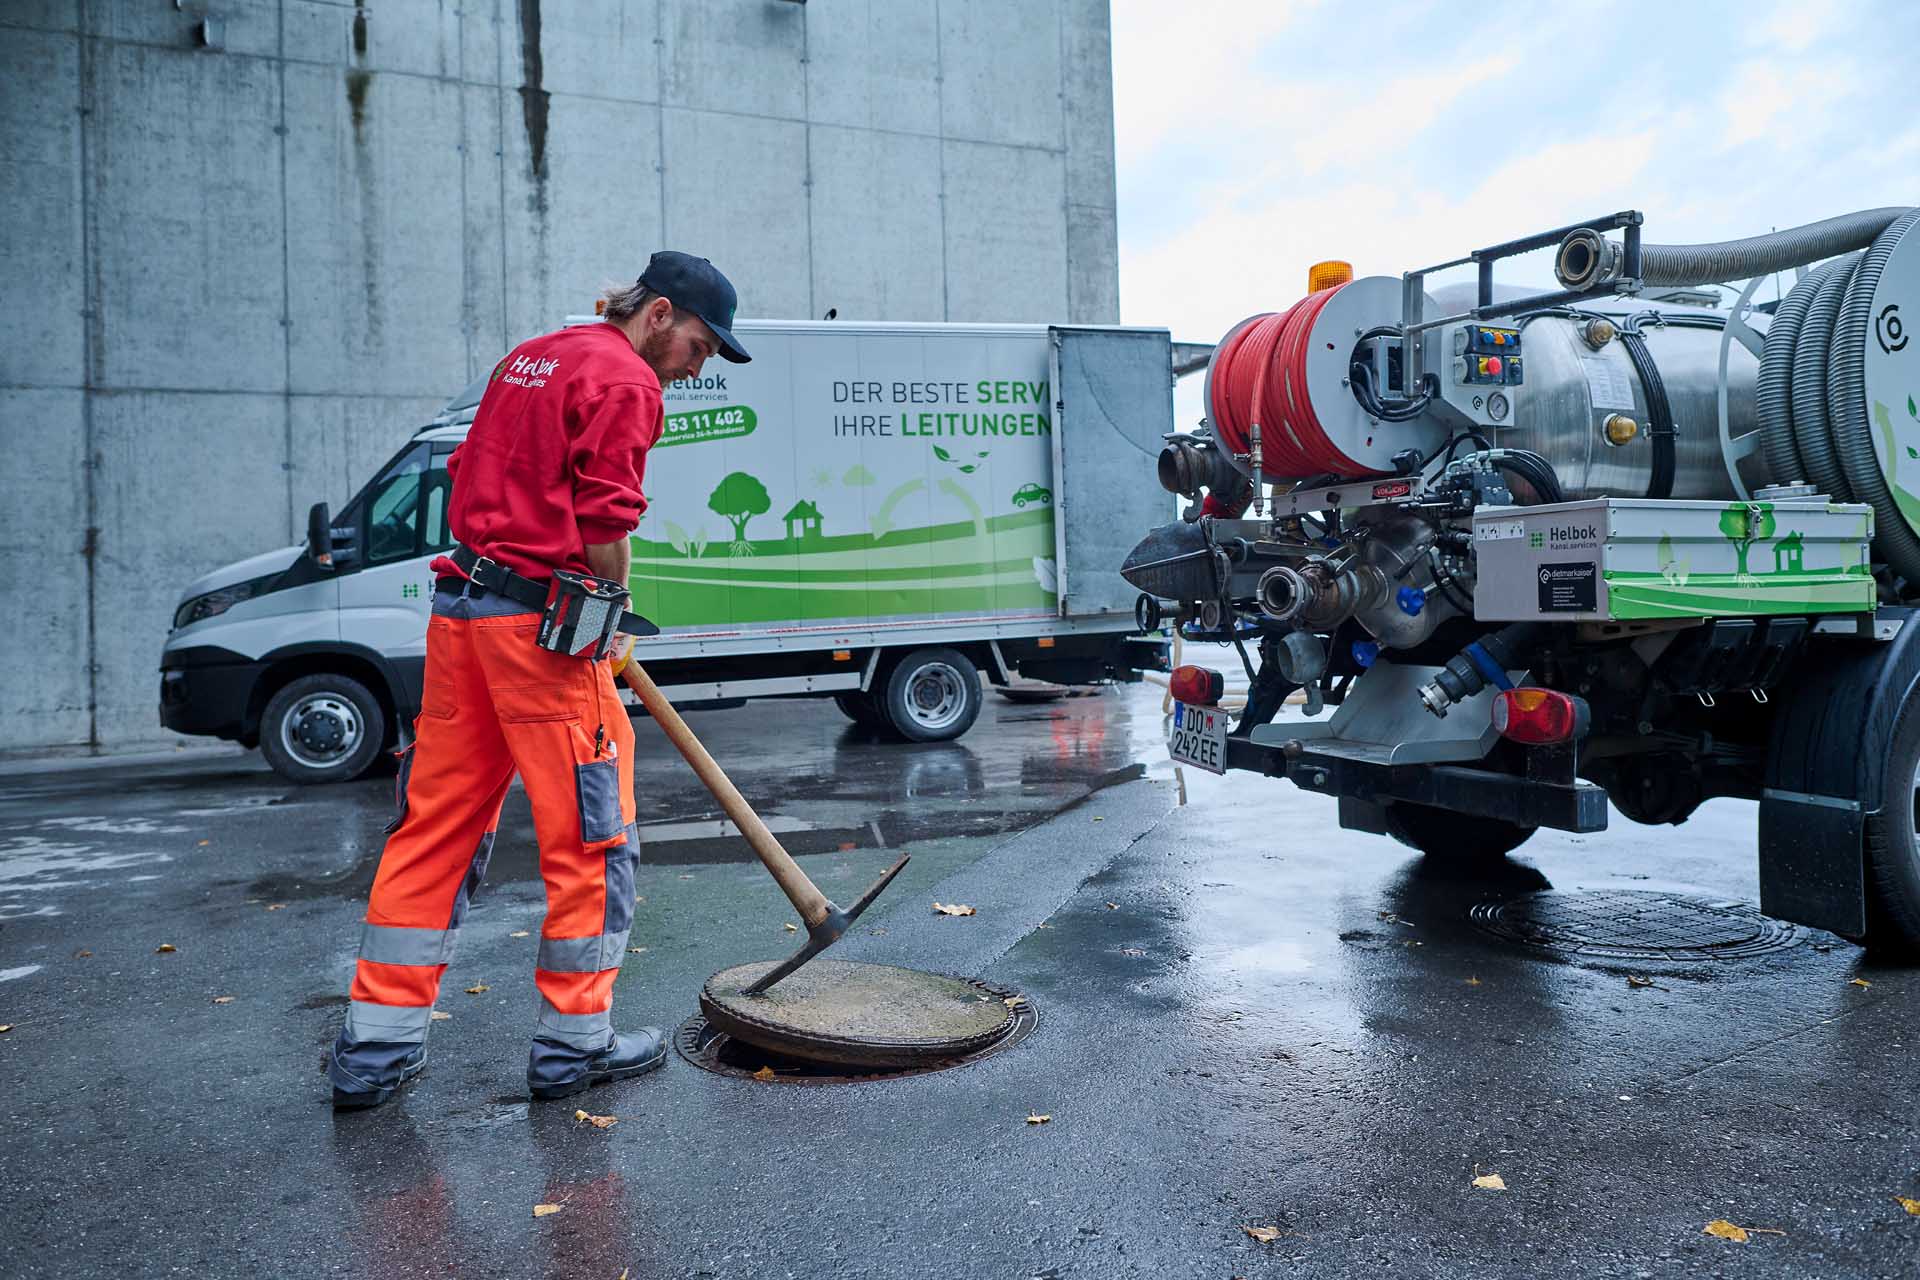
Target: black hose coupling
x: 1480, y: 664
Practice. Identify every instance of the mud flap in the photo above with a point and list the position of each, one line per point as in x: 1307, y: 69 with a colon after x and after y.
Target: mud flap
x: 1812, y: 864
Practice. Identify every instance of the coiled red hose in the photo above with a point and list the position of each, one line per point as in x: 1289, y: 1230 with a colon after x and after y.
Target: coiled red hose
x: 1260, y: 375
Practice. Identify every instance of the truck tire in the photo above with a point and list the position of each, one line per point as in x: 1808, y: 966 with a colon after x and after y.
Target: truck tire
x: 1459, y: 839
x: 1893, y: 848
x: 861, y: 708
x: 932, y: 695
x: 322, y: 728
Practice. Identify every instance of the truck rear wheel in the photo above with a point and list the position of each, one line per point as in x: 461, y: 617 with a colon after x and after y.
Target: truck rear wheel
x: 932, y: 695
x: 1893, y: 849
x: 1460, y: 839
x: 322, y: 728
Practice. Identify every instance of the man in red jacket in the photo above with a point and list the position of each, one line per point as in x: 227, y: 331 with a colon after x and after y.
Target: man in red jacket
x: 547, y: 481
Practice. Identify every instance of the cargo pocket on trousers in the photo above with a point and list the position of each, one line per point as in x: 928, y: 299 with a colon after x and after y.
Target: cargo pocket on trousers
x: 621, y: 861
x: 598, y: 784
x: 400, y: 779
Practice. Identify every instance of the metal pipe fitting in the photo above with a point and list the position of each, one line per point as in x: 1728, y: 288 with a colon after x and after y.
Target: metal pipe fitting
x: 1586, y: 260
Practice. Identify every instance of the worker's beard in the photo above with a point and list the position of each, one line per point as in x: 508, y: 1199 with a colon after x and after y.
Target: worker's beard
x: 657, y: 349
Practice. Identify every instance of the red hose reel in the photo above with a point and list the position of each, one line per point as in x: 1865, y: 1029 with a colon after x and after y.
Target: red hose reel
x: 1287, y: 370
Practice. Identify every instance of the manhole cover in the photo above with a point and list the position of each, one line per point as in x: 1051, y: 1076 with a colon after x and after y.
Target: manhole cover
x: 1635, y: 924
x: 711, y: 1049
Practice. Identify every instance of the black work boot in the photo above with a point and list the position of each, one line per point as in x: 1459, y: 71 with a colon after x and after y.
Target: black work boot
x: 559, y: 1071
x: 372, y: 1095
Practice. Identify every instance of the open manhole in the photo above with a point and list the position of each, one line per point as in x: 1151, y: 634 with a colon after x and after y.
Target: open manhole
x: 1636, y: 924
x: 805, y: 1039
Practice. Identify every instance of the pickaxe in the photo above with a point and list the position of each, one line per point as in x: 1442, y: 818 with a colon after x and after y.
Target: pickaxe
x: 825, y: 922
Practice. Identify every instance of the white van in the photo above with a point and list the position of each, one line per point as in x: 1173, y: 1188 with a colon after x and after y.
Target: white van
x: 933, y: 502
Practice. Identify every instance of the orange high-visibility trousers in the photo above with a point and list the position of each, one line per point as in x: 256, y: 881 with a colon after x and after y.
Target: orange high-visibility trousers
x: 495, y: 704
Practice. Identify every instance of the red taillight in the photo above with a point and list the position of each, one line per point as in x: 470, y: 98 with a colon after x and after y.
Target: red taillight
x: 1538, y: 716
x: 1197, y: 686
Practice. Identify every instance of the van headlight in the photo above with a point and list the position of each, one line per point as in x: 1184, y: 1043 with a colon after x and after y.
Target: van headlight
x: 215, y: 603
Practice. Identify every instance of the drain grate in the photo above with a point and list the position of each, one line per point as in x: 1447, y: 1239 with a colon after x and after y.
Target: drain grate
x: 711, y: 1049
x: 1636, y: 924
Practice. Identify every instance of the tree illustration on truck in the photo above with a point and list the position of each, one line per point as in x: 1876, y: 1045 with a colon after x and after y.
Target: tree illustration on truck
x: 740, y: 497
x: 1745, y: 524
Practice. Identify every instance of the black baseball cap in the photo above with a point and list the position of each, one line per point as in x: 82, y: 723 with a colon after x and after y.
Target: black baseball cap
x: 696, y: 285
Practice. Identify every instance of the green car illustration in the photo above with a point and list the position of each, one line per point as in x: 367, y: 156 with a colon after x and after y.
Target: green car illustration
x: 1031, y: 493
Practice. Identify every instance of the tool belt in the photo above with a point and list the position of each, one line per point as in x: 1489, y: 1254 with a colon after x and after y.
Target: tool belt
x: 579, y: 614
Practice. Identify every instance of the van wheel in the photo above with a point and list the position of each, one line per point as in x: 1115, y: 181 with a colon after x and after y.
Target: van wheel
x: 1458, y: 839
x: 322, y: 728
x: 1893, y: 849
x: 861, y: 708
x: 932, y: 695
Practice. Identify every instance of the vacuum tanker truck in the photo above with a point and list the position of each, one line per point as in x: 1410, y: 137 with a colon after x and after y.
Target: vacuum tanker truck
x: 1634, y: 540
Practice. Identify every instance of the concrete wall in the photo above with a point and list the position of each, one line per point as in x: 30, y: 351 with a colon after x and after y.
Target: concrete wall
x: 233, y: 278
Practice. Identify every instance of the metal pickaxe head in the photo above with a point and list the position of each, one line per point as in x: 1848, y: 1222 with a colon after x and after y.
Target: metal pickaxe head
x: 827, y: 932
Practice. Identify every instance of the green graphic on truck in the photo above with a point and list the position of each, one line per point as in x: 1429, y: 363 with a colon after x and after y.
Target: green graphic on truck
x: 886, y: 477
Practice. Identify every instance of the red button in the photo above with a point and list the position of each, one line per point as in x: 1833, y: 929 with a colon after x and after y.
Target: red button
x: 1493, y: 365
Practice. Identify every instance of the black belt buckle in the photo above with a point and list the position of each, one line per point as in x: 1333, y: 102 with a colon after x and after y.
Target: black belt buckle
x: 582, y: 615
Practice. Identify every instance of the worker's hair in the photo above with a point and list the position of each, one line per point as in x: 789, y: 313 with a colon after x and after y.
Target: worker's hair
x: 623, y: 302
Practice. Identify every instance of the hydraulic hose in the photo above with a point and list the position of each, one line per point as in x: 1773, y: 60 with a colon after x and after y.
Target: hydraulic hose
x: 1661, y: 431
x: 1674, y: 265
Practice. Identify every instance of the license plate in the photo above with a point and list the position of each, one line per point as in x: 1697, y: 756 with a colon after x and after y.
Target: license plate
x: 1198, y: 737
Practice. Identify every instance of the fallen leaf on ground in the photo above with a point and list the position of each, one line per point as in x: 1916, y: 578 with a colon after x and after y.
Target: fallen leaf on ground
x: 1727, y: 1231
x: 1635, y: 980
x: 686, y: 877
x: 1034, y: 1117
x: 518, y: 933
x: 640, y: 897
x: 953, y: 909
x: 1490, y: 1182
x: 764, y: 1073
x: 598, y: 1122
x: 81, y: 955
x: 1911, y: 1206
x: 440, y: 1017
x: 1265, y: 1235
x: 1113, y: 906
x: 1099, y: 819
x: 164, y: 947
x: 276, y: 906
x: 1473, y: 982
x: 791, y: 928
x: 223, y: 999
x: 203, y: 844
x: 634, y: 951
x: 1132, y: 951
x: 478, y: 988
x: 5, y: 1027
x: 542, y: 1210
x: 1861, y: 982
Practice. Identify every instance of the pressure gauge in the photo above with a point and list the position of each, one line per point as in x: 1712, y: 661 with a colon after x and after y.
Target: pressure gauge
x: 1498, y: 406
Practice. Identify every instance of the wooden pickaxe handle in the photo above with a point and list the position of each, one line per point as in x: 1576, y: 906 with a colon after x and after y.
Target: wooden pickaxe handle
x: 807, y: 900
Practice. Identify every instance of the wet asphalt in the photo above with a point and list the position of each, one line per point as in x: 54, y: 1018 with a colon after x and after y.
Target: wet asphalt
x: 1247, y: 1019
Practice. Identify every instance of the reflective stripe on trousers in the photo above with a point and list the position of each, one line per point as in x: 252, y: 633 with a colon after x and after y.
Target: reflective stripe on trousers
x: 495, y: 704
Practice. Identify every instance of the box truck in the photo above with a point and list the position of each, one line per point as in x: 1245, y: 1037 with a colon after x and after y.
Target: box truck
x: 876, y: 513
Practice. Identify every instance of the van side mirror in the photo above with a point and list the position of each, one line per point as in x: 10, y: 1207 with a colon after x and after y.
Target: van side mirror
x: 320, y: 535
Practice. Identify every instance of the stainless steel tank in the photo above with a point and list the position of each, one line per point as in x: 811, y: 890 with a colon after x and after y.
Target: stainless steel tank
x: 1573, y: 388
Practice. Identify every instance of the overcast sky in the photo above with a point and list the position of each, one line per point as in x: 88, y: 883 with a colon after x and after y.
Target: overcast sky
x: 1259, y: 136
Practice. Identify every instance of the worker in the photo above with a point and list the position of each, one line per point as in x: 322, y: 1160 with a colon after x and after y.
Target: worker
x: 546, y: 492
